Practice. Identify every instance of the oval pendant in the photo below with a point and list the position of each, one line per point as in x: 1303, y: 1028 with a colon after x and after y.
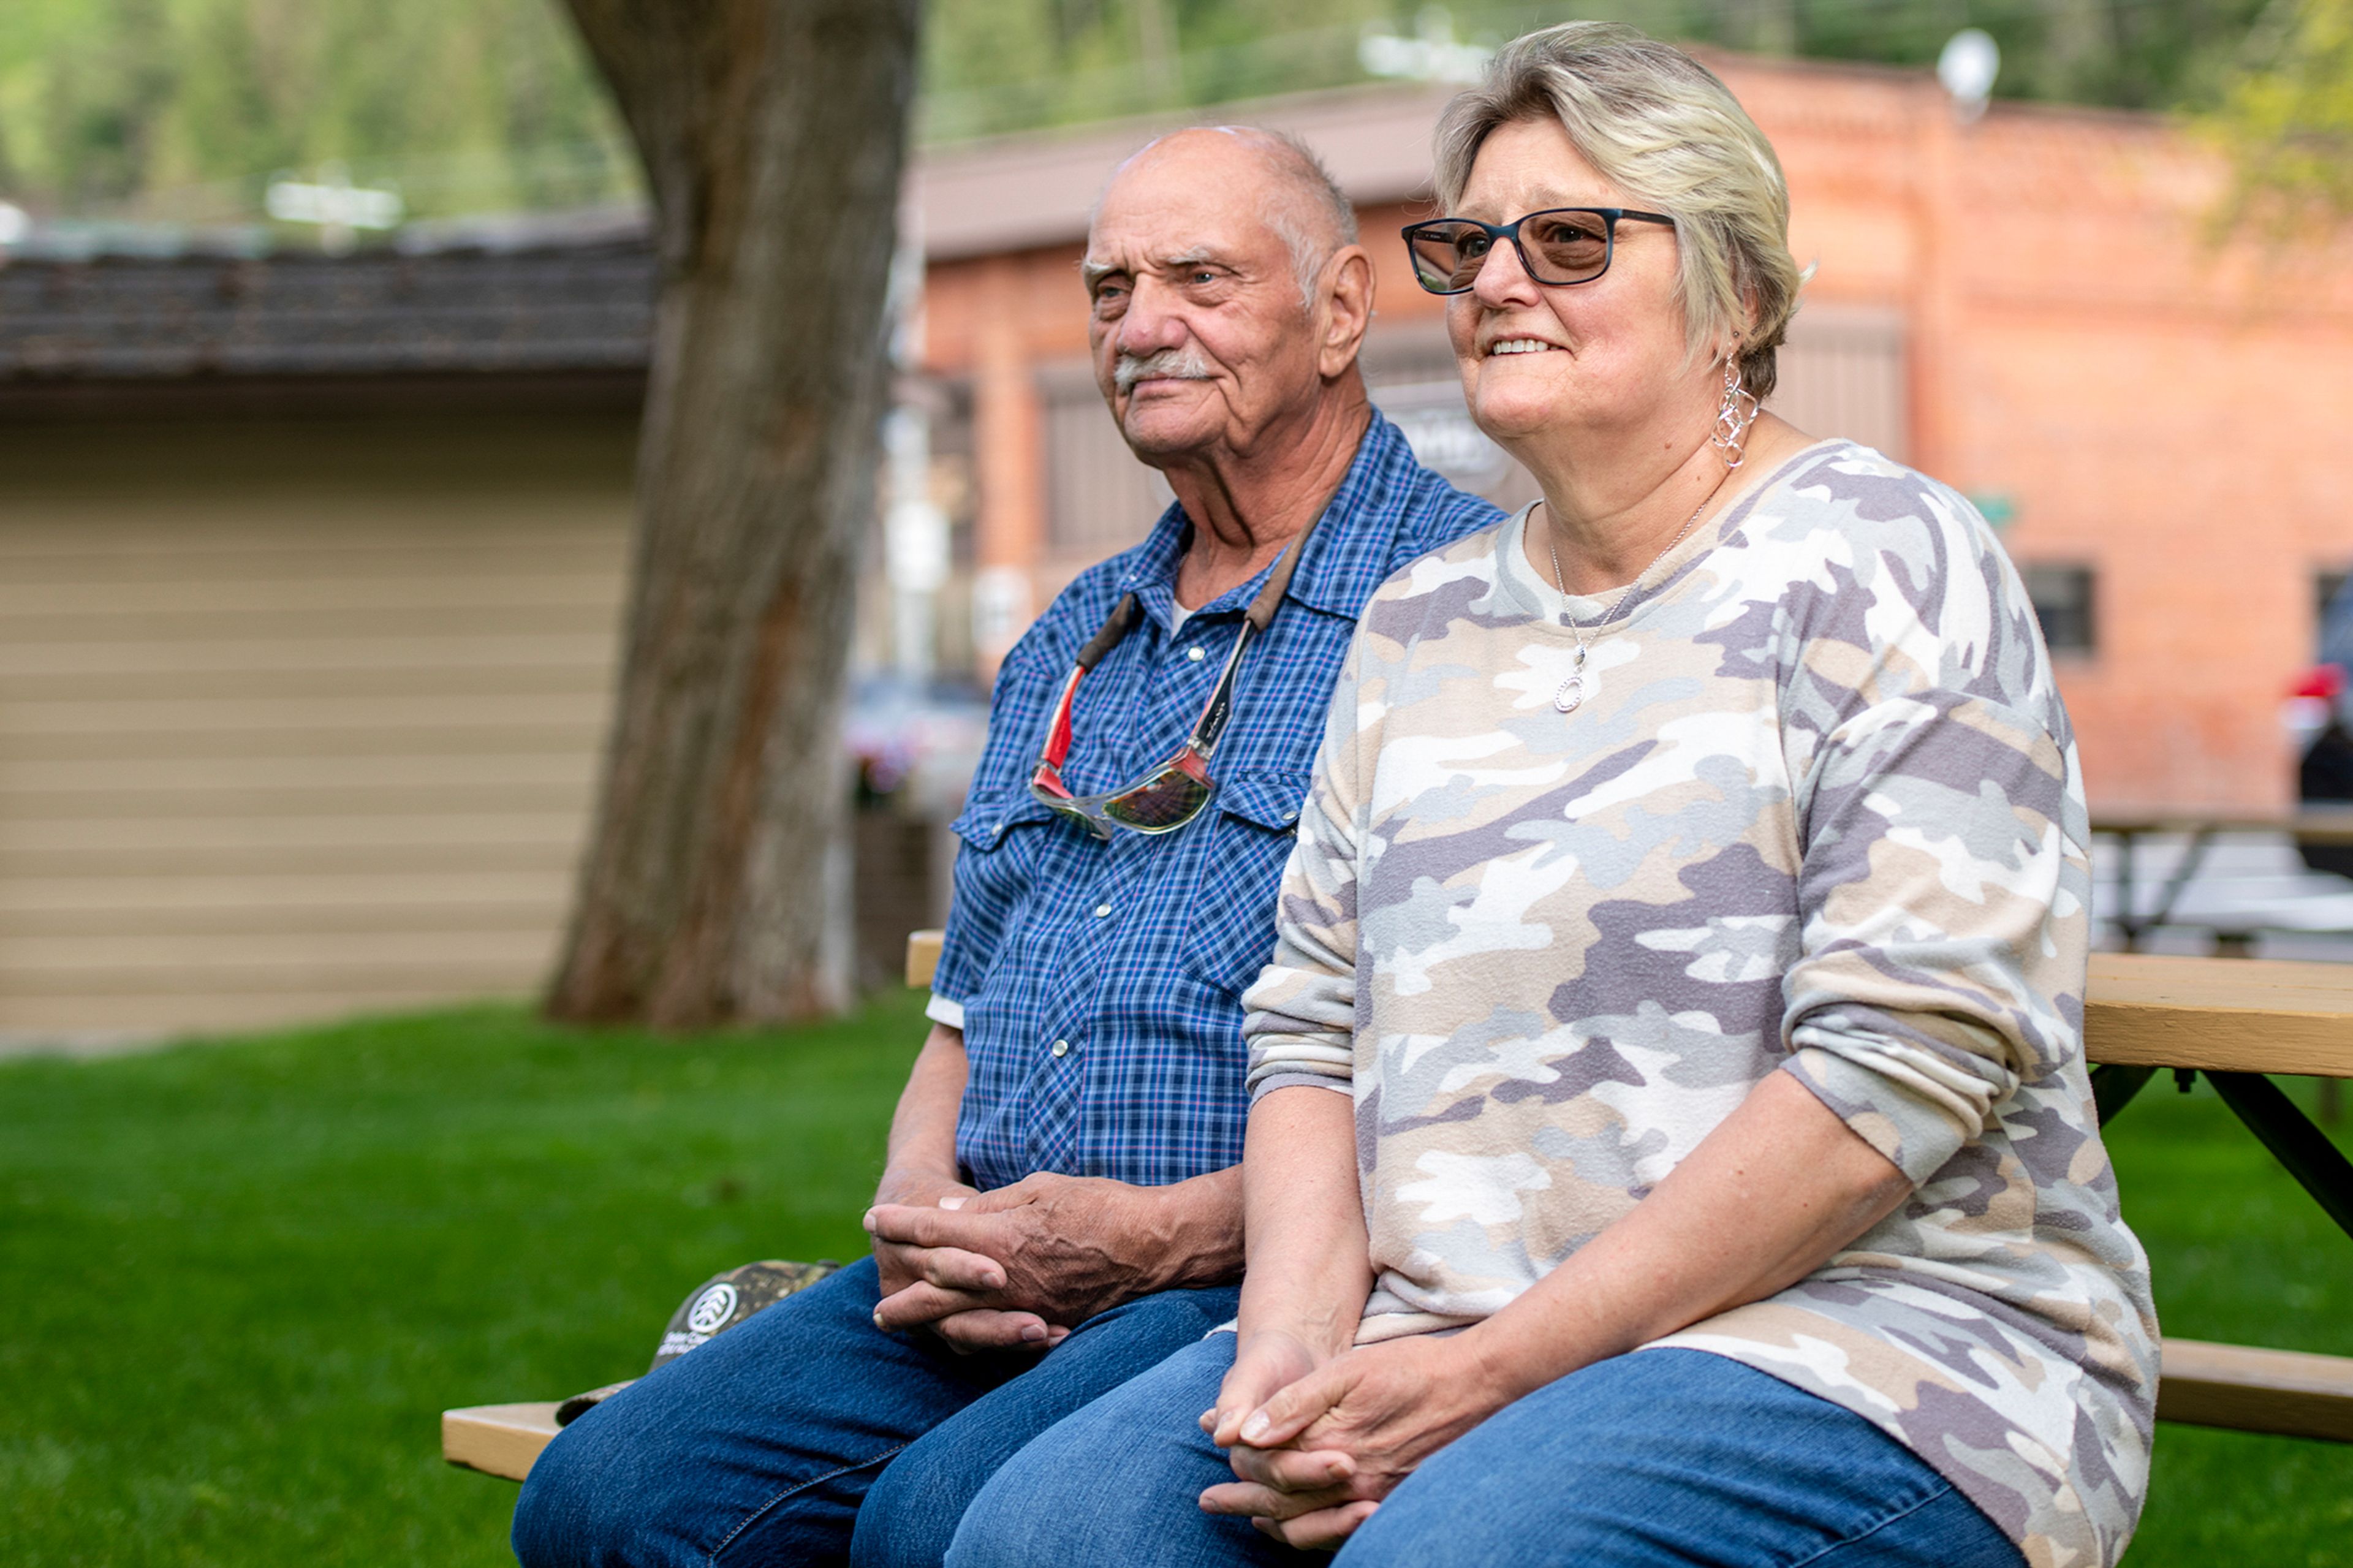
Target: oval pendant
x: 1571, y: 693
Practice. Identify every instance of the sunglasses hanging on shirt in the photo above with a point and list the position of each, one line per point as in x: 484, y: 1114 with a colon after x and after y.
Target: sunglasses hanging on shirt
x: 1175, y: 792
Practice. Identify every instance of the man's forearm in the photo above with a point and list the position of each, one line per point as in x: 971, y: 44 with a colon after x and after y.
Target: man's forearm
x: 1069, y: 1246
x: 1063, y: 1246
x: 1201, y: 1230
x: 923, y: 1128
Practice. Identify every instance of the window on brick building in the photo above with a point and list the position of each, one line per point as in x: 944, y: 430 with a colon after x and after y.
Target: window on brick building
x: 2062, y: 596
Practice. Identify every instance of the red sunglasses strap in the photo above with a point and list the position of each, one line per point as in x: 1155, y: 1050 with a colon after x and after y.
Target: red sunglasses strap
x: 1058, y: 738
x: 1117, y: 626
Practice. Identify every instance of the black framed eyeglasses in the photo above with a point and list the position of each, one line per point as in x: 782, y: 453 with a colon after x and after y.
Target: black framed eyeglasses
x: 1557, y: 246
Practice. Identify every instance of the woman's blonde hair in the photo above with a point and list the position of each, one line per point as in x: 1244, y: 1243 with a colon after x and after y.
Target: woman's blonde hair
x: 1659, y: 126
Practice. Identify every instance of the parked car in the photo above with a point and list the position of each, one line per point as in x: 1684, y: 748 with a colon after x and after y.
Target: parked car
x: 2319, y: 716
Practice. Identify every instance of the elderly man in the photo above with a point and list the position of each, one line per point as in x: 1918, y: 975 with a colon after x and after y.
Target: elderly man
x: 1062, y: 1204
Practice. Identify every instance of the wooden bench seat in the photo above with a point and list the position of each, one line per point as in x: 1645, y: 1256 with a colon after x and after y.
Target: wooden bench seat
x: 497, y: 1439
x: 2284, y: 1392
x: 2239, y: 1018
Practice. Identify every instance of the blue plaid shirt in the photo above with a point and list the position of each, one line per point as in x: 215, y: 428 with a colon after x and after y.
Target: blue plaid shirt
x: 1101, y: 982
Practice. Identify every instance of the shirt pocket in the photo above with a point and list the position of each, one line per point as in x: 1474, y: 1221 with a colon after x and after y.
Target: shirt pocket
x: 984, y: 823
x: 995, y: 874
x: 1236, y: 883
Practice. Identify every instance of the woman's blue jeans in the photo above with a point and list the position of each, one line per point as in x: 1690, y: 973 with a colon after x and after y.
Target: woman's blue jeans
x: 777, y: 1440
x: 1661, y: 1457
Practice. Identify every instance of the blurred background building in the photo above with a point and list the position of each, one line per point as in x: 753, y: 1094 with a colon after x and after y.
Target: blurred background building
x: 311, y: 558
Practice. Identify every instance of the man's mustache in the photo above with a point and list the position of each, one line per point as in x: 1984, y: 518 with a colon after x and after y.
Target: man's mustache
x: 1179, y: 364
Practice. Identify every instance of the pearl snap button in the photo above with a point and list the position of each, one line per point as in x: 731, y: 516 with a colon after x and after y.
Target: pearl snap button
x: 1102, y: 910
x: 1195, y: 655
x: 1062, y: 1047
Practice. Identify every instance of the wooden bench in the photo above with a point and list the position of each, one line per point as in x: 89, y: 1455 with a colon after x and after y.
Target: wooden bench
x: 2236, y: 1020
x: 498, y: 1439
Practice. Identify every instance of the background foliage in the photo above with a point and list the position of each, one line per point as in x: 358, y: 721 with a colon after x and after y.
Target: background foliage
x: 183, y: 109
x: 2287, y: 120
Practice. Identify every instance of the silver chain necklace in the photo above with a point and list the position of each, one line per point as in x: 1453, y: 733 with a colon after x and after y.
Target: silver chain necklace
x: 1572, y: 690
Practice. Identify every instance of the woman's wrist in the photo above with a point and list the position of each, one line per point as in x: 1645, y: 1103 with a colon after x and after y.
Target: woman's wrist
x: 1322, y: 1329
x: 1317, y: 1346
x: 1497, y: 1362
x: 917, y: 1184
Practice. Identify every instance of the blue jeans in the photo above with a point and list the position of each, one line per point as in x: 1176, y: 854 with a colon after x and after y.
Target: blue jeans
x: 1664, y: 1457
x: 777, y: 1440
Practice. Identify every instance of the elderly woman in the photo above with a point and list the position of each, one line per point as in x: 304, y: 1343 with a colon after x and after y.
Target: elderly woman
x: 1690, y: 914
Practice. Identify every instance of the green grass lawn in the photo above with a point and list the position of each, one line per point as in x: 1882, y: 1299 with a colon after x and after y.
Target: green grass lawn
x: 238, y: 1281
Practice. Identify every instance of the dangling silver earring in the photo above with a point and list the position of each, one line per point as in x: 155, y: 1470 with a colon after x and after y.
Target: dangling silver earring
x: 1734, y: 416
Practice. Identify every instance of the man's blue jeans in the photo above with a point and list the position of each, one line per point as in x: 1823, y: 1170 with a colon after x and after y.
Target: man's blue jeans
x: 1664, y: 1457
x: 762, y: 1445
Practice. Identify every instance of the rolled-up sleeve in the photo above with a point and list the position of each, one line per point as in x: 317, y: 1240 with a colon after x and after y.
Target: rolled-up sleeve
x: 1301, y: 1014
x: 1945, y: 897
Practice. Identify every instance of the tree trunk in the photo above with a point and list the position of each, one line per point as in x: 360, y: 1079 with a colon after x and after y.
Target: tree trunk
x: 772, y: 133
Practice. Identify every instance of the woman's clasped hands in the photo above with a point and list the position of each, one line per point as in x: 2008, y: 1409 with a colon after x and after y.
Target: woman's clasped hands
x: 1317, y: 1443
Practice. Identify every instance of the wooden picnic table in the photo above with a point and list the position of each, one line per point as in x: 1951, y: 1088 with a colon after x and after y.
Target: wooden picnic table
x: 2319, y: 824
x: 2236, y: 1020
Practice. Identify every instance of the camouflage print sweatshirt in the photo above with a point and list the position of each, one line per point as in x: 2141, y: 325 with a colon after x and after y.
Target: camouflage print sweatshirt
x: 1820, y: 814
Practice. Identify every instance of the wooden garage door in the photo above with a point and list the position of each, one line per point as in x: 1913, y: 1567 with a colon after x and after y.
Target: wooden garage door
x: 280, y: 744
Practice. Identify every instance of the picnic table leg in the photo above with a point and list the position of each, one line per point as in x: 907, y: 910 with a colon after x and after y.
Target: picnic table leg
x: 2294, y: 1140
x: 2127, y: 922
x: 2113, y: 1086
x: 2193, y: 855
x: 2131, y: 924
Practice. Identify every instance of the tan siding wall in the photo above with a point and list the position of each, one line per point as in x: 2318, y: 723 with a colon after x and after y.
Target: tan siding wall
x: 297, y: 721
x: 1841, y: 373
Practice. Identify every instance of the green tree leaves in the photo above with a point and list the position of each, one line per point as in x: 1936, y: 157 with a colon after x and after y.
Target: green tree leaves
x: 184, y: 109
x: 2287, y: 120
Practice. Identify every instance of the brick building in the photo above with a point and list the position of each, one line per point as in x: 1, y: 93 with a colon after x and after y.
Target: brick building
x: 2033, y: 307
x: 311, y: 569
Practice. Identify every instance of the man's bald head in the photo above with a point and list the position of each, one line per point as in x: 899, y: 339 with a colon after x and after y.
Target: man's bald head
x: 1303, y: 204
x: 1227, y: 301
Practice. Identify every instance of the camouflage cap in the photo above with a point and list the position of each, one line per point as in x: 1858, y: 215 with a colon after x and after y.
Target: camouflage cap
x: 714, y: 1307
x: 723, y: 1300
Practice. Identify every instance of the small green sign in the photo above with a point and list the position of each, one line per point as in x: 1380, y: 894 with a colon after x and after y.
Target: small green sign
x: 1997, y: 507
